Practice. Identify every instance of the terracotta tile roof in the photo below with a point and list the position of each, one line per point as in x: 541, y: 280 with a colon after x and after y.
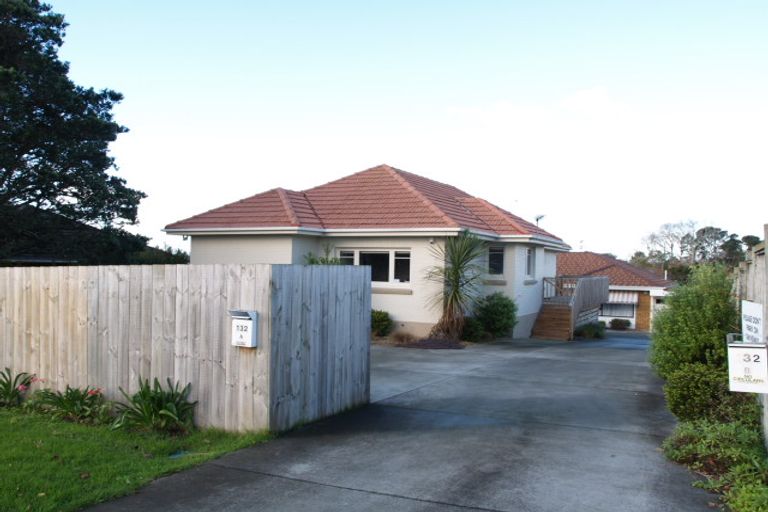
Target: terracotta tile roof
x: 620, y: 273
x: 380, y: 197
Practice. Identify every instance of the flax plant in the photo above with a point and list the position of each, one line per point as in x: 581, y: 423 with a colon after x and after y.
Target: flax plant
x: 460, y: 278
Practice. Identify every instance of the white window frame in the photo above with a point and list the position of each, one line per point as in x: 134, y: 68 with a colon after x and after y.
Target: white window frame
x: 530, y: 262
x: 496, y: 248
x: 391, y: 277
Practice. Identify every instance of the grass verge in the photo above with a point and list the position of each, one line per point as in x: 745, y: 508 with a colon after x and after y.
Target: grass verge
x: 48, y: 464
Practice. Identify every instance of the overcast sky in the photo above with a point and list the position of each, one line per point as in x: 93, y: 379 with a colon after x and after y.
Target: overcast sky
x: 609, y: 118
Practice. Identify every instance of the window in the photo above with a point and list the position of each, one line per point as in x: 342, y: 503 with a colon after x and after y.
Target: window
x: 379, y: 262
x: 402, y: 267
x: 347, y: 257
x: 530, y: 262
x: 495, y: 260
x: 618, y: 310
x: 387, y: 266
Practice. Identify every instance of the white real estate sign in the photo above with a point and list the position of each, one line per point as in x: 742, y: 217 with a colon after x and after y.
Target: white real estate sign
x: 748, y: 360
x: 752, y: 322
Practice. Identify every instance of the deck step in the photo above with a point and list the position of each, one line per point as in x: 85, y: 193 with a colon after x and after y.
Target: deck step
x: 553, y: 323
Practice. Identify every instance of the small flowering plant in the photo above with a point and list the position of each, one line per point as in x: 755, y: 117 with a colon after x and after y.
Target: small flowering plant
x: 85, y: 405
x: 13, y: 387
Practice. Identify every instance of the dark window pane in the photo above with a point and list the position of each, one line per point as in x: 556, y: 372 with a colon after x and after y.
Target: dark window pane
x: 618, y: 310
x: 347, y: 257
x: 530, y: 263
x: 403, y: 266
x: 495, y: 260
x: 379, y: 262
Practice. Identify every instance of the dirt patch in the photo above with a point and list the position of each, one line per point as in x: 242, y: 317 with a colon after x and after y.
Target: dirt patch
x: 426, y: 343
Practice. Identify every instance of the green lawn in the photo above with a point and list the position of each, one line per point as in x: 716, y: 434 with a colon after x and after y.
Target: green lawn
x: 47, y: 464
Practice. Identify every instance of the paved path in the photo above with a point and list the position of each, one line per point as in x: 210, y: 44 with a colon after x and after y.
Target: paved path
x: 513, y: 426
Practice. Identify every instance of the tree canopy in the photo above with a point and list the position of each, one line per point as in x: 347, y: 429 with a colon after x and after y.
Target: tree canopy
x: 675, y: 247
x: 54, y: 134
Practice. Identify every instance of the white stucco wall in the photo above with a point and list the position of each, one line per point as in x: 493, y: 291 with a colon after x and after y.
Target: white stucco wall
x: 241, y: 249
x: 405, y: 302
x: 302, y: 246
x: 524, y: 290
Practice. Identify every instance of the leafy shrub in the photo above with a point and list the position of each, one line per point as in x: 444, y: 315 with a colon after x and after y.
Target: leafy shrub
x: 693, y: 326
x: 591, y: 330
x: 751, y: 497
x: 497, y: 313
x: 730, y: 455
x: 715, y: 448
x: 381, y: 323
x: 697, y: 391
x: 620, y: 324
x: 154, y: 408
x: 13, y: 387
x: 474, y: 331
x: 326, y: 259
x: 77, y: 405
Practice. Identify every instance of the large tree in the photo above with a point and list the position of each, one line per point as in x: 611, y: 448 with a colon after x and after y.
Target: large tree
x: 54, y: 134
x: 676, y: 247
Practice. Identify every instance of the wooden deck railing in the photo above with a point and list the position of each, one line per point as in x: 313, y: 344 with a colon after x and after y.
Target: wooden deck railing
x: 579, y: 293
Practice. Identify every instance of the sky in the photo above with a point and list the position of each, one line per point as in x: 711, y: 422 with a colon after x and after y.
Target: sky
x: 608, y: 118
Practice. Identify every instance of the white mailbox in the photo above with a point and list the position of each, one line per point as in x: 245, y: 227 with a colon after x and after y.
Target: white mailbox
x: 245, y: 328
x: 748, y: 367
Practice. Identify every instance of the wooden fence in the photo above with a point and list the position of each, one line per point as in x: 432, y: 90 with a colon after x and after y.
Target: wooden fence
x: 752, y: 285
x: 107, y: 326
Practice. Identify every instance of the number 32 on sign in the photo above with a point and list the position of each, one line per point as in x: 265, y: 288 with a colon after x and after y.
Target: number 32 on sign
x: 748, y: 367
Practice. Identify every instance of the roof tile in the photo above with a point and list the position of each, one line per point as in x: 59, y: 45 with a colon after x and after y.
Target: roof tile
x: 620, y: 273
x: 380, y: 197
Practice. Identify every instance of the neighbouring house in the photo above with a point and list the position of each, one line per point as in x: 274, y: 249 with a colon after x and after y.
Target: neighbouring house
x: 388, y: 219
x: 634, y: 293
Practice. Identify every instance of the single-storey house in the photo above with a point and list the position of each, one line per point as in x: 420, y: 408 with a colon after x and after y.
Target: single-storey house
x: 391, y: 220
x: 634, y: 293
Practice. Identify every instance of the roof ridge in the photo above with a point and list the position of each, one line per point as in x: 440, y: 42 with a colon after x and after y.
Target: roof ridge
x: 312, y: 207
x: 407, y: 184
x: 288, y: 206
x: 640, y: 271
x: 461, y: 201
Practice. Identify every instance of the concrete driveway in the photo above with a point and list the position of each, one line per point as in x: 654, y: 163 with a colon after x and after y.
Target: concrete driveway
x: 512, y: 426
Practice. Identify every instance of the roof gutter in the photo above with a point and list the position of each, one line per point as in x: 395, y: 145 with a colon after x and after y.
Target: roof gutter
x: 548, y: 242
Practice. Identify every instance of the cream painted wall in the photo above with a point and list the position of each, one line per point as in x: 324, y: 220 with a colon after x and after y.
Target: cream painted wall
x: 241, y: 249
x: 525, y: 291
x: 303, y: 245
x: 408, y: 304
x: 410, y: 308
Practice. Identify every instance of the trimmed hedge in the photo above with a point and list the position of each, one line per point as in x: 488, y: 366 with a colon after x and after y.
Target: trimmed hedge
x: 590, y: 331
x: 473, y: 330
x: 620, y: 324
x: 497, y: 313
x: 697, y: 391
x: 381, y: 323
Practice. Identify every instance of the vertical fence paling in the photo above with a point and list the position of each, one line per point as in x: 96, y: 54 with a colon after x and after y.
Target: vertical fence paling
x: 752, y: 285
x: 106, y: 326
